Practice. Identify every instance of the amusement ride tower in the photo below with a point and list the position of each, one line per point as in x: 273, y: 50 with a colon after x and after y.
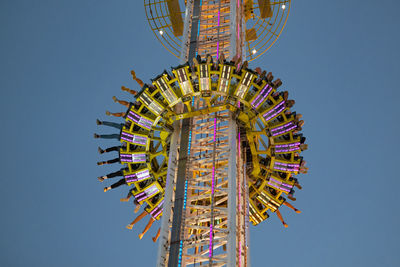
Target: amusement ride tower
x: 212, y: 145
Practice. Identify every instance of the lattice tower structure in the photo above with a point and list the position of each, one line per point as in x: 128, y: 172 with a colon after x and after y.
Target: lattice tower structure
x: 205, y: 216
x: 212, y: 144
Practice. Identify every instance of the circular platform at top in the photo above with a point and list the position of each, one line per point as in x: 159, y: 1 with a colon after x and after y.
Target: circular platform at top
x: 264, y: 21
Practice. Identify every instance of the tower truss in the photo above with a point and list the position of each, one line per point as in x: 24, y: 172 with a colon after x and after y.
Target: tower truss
x: 212, y: 145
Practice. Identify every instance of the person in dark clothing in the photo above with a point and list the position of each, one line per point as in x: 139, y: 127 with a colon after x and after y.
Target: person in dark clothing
x: 111, y: 124
x: 114, y: 148
x: 118, y: 126
x: 109, y: 161
x: 107, y: 136
x: 113, y: 174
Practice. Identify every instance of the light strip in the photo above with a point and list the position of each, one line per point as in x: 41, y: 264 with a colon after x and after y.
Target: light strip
x: 239, y: 204
x: 275, y: 111
x: 218, y: 30
x: 212, y: 190
x: 140, y: 120
x: 286, y: 145
x: 283, y: 186
x: 149, y: 192
x: 255, y: 103
x: 133, y: 138
x: 138, y: 176
x: 291, y: 125
x: 185, y: 195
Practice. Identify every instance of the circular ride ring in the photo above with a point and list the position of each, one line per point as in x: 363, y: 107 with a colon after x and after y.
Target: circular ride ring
x: 271, y: 129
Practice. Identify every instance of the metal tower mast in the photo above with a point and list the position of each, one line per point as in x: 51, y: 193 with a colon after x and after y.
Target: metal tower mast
x: 214, y: 144
x: 205, y: 215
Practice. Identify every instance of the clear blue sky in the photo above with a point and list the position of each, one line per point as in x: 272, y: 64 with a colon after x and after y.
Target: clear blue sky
x: 62, y: 61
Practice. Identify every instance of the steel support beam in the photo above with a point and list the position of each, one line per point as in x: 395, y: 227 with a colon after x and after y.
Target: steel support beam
x: 179, y: 195
x: 168, y: 201
x: 232, y: 167
x: 213, y: 223
x: 175, y: 250
x: 233, y: 29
